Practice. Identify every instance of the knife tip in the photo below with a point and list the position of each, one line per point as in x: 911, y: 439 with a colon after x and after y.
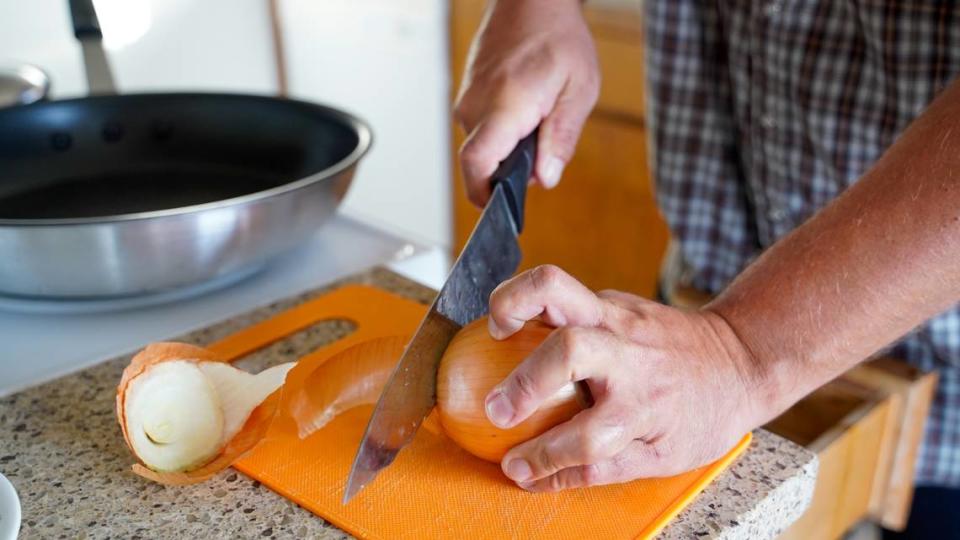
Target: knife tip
x: 350, y: 492
x: 359, y: 477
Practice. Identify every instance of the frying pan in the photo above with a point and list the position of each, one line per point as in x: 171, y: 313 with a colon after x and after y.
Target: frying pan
x: 117, y: 195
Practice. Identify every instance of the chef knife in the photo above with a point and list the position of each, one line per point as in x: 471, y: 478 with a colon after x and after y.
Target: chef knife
x: 490, y: 256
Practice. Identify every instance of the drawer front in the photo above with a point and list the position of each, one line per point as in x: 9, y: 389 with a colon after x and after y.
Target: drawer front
x: 849, y: 448
x: 866, y: 427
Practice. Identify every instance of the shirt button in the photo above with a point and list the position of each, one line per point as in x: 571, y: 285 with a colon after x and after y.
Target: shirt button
x: 773, y: 8
x: 767, y: 122
x: 776, y: 214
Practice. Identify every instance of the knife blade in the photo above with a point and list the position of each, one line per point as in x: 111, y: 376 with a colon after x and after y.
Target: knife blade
x: 490, y: 256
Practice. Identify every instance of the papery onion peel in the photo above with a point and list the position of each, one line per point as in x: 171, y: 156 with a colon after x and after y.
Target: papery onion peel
x: 355, y: 376
x: 186, y: 414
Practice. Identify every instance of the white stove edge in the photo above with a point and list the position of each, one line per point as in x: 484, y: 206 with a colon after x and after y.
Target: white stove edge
x: 30, y: 357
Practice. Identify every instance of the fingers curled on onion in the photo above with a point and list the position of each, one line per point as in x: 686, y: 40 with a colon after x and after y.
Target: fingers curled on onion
x: 473, y: 364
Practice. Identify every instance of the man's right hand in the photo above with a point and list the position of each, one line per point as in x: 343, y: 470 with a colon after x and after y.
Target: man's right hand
x: 532, y: 62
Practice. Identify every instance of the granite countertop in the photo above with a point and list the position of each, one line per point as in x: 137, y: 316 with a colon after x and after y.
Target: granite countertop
x: 62, y: 449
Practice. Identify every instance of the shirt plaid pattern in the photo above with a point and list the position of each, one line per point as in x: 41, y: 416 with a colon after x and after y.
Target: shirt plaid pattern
x: 762, y: 112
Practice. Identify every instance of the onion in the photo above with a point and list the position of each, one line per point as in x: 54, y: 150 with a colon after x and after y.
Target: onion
x: 353, y: 377
x: 473, y: 364
x: 186, y: 414
x: 240, y: 391
x: 174, y: 417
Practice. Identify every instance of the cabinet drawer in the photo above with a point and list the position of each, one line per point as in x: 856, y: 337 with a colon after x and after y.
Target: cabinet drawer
x: 866, y: 427
x: 846, y: 425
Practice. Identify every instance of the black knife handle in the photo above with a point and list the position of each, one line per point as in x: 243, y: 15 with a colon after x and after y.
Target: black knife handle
x: 514, y: 172
x: 84, y: 17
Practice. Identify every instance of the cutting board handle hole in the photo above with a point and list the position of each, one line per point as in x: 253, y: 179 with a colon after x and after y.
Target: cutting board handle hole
x: 291, y: 347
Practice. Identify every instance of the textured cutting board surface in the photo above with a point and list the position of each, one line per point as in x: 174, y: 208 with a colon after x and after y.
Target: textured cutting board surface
x: 433, y: 489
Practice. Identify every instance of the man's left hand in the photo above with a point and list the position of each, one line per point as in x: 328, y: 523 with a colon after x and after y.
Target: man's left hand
x: 671, y: 388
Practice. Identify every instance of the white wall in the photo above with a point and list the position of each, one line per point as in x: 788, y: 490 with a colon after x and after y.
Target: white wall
x: 152, y: 44
x: 384, y: 60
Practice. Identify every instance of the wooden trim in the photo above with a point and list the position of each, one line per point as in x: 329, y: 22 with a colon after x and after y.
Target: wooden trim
x: 912, y: 392
x: 614, y: 115
x: 849, y: 452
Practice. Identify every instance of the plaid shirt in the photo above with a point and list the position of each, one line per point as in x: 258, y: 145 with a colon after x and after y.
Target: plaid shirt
x: 762, y: 112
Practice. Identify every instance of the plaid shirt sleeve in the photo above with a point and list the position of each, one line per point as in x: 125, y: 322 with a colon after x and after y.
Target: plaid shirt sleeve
x: 762, y: 112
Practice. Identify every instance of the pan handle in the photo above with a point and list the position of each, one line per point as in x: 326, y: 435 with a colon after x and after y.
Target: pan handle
x: 86, y: 28
x: 85, y: 22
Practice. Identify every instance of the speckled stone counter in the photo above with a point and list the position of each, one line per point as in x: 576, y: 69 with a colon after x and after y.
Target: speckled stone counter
x: 61, y: 447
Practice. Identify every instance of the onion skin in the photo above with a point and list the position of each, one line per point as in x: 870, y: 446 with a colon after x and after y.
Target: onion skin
x: 473, y: 364
x: 351, y: 378
x: 250, y: 434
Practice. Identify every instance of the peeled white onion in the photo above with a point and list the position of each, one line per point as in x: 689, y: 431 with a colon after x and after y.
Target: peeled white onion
x: 174, y: 417
x: 180, y: 414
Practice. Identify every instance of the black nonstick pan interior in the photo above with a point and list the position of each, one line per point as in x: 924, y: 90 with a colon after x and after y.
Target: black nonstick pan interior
x: 117, y: 155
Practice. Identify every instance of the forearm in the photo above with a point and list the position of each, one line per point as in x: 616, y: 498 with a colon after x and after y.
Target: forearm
x: 878, y: 261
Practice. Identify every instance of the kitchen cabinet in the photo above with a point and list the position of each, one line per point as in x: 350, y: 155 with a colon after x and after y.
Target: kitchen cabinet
x: 601, y: 223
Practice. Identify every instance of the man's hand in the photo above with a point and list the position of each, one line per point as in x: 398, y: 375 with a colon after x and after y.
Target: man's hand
x: 671, y: 387
x: 532, y: 62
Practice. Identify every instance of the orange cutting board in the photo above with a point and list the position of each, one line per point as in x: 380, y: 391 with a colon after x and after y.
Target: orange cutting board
x: 433, y: 489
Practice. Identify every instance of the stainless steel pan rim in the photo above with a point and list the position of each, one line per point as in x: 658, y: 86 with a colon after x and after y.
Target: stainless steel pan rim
x: 364, y: 142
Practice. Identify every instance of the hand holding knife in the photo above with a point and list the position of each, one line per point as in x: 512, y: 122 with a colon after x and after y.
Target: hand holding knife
x: 490, y: 256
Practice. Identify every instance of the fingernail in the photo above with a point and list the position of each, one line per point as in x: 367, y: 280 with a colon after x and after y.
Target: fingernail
x: 552, y: 171
x: 519, y: 470
x: 494, y: 330
x: 526, y: 485
x: 499, y: 409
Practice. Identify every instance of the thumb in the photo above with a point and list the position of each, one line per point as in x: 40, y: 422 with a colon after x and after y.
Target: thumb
x: 559, y: 133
